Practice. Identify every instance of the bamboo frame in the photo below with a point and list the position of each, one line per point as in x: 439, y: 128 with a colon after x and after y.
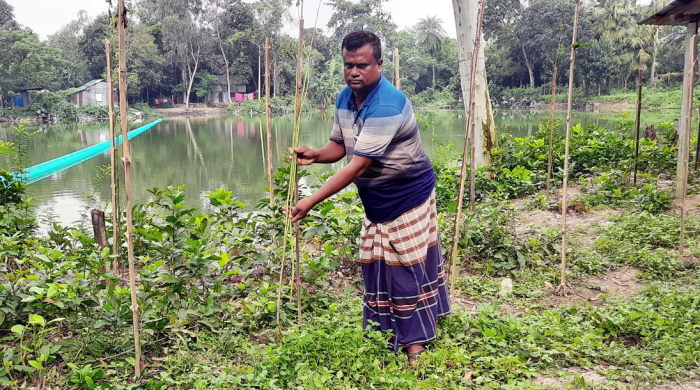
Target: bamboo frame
x: 113, y: 160
x: 572, y: 62
x: 126, y: 153
x: 468, y: 139
x: 267, y: 125
x: 686, y: 140
x: 551, y: 128
x: 639, y: 112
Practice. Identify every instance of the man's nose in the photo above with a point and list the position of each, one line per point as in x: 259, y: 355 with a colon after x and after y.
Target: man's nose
x: 355, y: 72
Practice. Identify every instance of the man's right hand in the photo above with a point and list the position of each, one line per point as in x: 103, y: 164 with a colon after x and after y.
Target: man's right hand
x: 305, y: 155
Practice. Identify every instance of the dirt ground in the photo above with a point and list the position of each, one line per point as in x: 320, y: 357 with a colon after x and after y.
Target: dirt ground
x: 592, y: 377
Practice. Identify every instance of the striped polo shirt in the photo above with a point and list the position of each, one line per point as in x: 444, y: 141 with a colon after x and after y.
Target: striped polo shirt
x: 385, y: 129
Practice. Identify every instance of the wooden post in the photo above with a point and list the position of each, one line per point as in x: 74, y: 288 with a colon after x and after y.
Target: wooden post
x: 99, y: 229
x: 397, y: 75
x: 686, y: 107
x: 267, y: 125
x: 126, y: 158
x: 639, y: 112
x: 468, y: 139
x: 113, y: 160
x: 297, y: 121
x: 551, y: 127
x: 566, y: 153
x: 685, y: 139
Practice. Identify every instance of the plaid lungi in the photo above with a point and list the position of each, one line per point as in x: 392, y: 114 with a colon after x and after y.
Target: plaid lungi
x: 404, y: 277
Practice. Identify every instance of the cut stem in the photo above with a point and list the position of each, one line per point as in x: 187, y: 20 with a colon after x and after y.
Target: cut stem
x: 639, y: 112
x: 686, y: 141
x: 551, y: 128
x: 113, y: 160
x: 468, y: 137
x: 126, y: 157
x: 572, y: 61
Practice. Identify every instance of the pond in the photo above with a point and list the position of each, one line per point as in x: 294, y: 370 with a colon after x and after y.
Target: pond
x: 214, y: 152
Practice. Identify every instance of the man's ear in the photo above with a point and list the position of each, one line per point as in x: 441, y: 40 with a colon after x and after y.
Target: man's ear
x: 379, y: 64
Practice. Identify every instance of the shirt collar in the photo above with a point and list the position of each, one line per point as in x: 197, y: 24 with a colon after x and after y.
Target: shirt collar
x: 368, y: 99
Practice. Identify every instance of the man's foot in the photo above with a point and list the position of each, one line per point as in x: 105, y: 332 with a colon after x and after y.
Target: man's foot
x: 414, y: 354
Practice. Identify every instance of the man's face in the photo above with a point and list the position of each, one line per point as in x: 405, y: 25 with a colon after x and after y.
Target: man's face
x: 362, y: 70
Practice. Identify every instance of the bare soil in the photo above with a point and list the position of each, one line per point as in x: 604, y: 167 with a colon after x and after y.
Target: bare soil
x: 622, y: 282
x: 592, y: 377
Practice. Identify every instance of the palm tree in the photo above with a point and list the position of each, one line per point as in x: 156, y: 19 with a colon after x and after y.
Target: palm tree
x: 430, y: 34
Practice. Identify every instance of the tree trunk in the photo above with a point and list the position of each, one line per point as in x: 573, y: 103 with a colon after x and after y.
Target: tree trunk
x: 466, y: 14
x: 652, y: 78
x: 529, y: 67
x: 192, y: 73
x: 228, y: 75
x: 683, y: 129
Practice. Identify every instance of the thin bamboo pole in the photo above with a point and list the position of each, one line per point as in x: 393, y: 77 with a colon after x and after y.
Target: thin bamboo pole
x: 267, y: 125
x: 686, y: 140
x: 468, y: 137
x: 113, y: 160
x: 397, y: 74
x: 697, y: 146
x: 551, y: 128
x: 572, y: 61
x: 297, y: 116
x: 639, y: 112
x: 126, y: 157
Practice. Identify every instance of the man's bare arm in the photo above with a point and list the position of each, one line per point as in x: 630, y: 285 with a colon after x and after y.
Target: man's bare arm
x: 331, y: 152
x: 337, y: 182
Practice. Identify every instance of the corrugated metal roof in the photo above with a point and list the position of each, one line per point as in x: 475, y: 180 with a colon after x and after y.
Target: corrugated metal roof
x: 88, y: 84
x: 676, y: 13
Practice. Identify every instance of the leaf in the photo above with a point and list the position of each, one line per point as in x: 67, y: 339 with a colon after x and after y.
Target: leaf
x: 36, y: 365
x: 349, y: 289
x: 17, y: 329
x: 2, y: 317
x: 35, y: 319
x: 90, y: 383
x: 55, y: 255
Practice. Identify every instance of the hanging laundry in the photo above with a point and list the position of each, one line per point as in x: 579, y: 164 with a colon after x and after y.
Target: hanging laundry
x: 239, y: 97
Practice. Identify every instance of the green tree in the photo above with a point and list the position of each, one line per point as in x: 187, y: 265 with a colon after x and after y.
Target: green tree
x: 26, y: 62
x: 92, y: 44
x: 7, y: 16
x: 364, y: 15
x: 430, y: 35
x: 67, y: 40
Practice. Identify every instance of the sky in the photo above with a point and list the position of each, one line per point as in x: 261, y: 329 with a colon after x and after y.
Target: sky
x: 45, y: 17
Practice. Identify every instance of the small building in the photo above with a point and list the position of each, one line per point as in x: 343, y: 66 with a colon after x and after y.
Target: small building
x: 93, y: 93
x: 22, y: 99
x: 218, y: 94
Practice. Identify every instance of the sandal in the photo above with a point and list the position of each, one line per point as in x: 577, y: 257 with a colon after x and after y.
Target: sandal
x: 416, y: 356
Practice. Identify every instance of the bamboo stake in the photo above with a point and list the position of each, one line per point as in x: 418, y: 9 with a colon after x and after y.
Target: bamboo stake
x: 469, y: 137
x: 686, y: 140
x: 267, y: 124
x: 397, y: 75
x: 566, y: 153
x: 126, y: 153
x: 297, y: 116
x: 697, y: 145
x: 113, y: 160
x: 551, y: 127
x: 639, y: 112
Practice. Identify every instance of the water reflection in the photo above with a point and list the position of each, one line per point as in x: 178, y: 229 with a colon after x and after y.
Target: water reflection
x: 209, y: 153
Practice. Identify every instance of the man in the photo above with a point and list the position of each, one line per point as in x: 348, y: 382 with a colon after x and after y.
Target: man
x: 402, y: 266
